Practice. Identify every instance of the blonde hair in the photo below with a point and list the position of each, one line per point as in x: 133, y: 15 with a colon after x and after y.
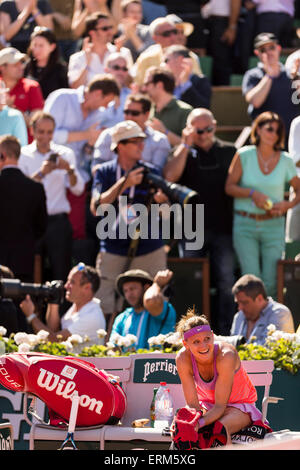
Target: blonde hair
x: 190, y: 320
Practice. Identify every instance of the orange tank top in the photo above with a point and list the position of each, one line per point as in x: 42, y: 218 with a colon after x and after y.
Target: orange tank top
x: 243, y: 391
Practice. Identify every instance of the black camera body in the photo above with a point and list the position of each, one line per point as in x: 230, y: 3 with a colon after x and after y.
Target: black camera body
x: 52, y: 292
x: 175, y: 192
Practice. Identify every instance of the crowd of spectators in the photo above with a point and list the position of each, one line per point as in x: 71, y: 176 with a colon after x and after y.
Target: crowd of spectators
x: 92, y: 88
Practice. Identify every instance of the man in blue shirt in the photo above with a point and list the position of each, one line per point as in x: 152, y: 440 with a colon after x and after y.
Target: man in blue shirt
x: 124, y: 200
x: 257, y: 311
x: 149, y: 314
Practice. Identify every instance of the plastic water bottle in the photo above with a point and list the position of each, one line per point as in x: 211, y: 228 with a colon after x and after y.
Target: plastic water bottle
x: 164, y: 409
x: 152, y: 408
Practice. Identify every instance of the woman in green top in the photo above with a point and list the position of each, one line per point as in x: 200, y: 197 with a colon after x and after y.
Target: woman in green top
x: 257, y: 180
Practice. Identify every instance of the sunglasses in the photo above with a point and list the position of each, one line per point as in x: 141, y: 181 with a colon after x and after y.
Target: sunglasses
x: 104, y: 28
x: 118, y: 67
x: 206, y: 129
x: 271, y: 129
x: 133, y: 112
x: 167, y: 34
x: 266, y: 49
x: 137, y: 141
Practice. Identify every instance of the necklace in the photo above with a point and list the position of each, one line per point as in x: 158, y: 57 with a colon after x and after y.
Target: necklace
x: 265, y: 163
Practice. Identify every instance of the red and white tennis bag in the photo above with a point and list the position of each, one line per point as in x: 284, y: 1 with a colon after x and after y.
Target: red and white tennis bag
x: 54, y: 379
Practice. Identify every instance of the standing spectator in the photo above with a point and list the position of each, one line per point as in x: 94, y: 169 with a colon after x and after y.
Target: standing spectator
x: 268, y: 86
x: 118, y: 178
x: 62, y: 21
x: 77, y: 119
x: 11, y: 120
x: 223, y: 16
x: 164, y: 33
x: 19, y: 17
x: 116, y: 65
x: 131, y: 33
x: 156, y: 145
x: 293, y: 214
x: 190, y: 88
x: 201, y: 162
x: 23, y: 212
x: 148, y: 314
x: 257, y: 178
x: 169, y: 115
x: 55, y: 167
x: 24, y: 94
x: 276, y: 16
x: 257, y: 311
x: 45, y: 65
x: 96, y: 47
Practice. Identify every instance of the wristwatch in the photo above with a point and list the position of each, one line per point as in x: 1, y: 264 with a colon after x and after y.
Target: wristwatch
x: 30, y: 318
x: 71, y: 170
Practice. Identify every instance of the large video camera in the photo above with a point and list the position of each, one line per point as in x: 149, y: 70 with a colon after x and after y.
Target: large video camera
x: 52, y: 292
x: 174, y: 191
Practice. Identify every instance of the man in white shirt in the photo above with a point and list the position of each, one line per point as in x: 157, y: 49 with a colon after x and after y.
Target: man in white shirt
x: 84, y: 317
x: 96, y: 47
x: 55, y: 167
x: 276, y: 16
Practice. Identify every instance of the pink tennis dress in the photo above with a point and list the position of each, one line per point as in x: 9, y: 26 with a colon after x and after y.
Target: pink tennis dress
x: 243, y: 394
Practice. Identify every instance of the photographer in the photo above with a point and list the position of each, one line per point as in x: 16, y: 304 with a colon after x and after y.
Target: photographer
x: 122, y: 185
x: 84, y: 317
x: 54, y: 166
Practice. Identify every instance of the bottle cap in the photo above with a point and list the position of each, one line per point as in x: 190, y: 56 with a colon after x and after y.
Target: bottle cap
x: 163, y: 383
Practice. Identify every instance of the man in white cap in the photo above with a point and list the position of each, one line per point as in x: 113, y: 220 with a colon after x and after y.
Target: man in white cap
x: 24, y: 94
x: 118, y: 187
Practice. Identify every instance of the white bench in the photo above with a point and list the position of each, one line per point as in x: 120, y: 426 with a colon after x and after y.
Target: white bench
x: 139, y: 374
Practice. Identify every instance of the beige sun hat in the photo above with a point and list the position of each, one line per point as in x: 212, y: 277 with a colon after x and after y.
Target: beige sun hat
x: 125, y: 130
x: 188, y: 28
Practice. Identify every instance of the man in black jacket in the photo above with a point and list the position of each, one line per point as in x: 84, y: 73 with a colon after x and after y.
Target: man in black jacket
x: 201, y: 162
x: 23, y: 212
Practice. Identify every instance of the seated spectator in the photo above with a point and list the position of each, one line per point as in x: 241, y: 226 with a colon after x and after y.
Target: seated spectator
x: 117, y: 65
x: 19, y: 18
x: 96, y: 47
x: 156, y: 145
x: 190, y: 88
x: 257, y: 311
x: 164, y: 33
x: 83, y: 318
x: 148, y: 313
x: 45, y: 64
x: 268, y: 86
x: 24, y: 94
x: 11, y: 120
x: 169, y: 114
x: 292, y: 65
